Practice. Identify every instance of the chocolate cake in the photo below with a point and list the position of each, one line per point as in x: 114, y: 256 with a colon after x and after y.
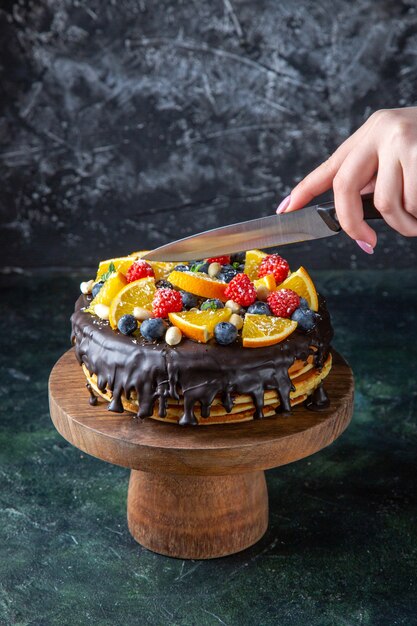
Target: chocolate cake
x: 221, y: 340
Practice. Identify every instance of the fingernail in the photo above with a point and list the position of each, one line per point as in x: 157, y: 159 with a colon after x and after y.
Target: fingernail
x: 366, y: 247
x: 284, y: 204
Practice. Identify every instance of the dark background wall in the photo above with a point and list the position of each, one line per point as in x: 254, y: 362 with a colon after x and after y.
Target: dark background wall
x: 125, y: 124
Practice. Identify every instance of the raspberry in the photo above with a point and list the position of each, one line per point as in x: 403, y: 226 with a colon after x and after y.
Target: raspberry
x: 166, y: 301
x: 241, y: 290
x: 223, y: 260
x: 139, y: 269
x: 276, y: 265
x: 283, y: 302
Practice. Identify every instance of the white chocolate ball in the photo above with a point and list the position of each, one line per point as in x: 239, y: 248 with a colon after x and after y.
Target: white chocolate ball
x: 262, y: 292
x: 214, y: 269
x: 236, y: 320
x: 102, y: 311
x: 173, y: 336
x: 86, y: 287
x: 233, y: 306
x: 141, y: 314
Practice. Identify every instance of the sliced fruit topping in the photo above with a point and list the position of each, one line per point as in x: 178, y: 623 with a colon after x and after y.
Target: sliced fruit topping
x: 140, y: 293
x: 139, y: 269
x: 166, y: 301
x: 276, y: 265
x: 253, y: 260
x: 199, y: 325
x: 161, y: 269
x: 241, y: 290
x: 300, y: 282
x: 139, y: 254
x: 267, y: 281
x: 108, y: 291
x: 264, y: 330
x: 283, y: 302
x: 198, y: 283
x: 120, y: 264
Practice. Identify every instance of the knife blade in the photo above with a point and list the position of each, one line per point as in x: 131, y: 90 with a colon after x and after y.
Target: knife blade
x: 313, y: 222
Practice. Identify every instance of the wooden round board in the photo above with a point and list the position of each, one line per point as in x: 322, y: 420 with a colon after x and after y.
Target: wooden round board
x: 174, y: 466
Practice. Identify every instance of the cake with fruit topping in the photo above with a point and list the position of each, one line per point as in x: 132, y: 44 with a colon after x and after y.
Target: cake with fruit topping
x: 225, y: 339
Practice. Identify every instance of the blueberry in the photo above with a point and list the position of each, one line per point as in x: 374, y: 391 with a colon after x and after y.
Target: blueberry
x: 303, y: 304
x: 305, y: 317
x: 212, y: 304
x: 239, y: 257
x: 127, y: 324
x: 189, y: 300
x: 153, y: 328
x: 165, y: 284
x: 181, y: 268
x: 227, y: 273
x: 259, y: 308
x: 225, y: 333
x: 200, y: 266
x: 97, y: 288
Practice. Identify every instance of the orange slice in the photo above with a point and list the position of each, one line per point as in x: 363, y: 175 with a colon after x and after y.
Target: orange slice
x: 161, y: 269
x: 267, y: 281
x: 109, y: 290
x: 137, y: 293
x: 265, y: 330
x: 199, y: 325
x: 253, y: 260
x: 199, y: 284
x: 139, y: 254
x: 300, y: 282
x: 120, y: 264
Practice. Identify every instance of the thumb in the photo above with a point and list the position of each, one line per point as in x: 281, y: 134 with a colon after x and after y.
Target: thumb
x: 320, y: 179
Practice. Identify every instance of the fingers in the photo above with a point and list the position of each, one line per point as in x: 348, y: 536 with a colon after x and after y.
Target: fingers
x: 392, y: 188
x: 370, y: 187
x: 409, y: 171
x: 354, y: 174
x: 321, y: 179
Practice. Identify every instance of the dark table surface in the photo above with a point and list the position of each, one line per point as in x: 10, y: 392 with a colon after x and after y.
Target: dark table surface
x: 341, y: 548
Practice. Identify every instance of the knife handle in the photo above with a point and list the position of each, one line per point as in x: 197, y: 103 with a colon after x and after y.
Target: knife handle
x: 327, y: 212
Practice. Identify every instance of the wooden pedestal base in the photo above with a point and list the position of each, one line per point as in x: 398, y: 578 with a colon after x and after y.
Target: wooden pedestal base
x: 196, y: 492
x: 197, y: 517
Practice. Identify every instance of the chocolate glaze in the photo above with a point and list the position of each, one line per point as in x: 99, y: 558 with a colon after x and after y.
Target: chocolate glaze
x: 157, y: 371
x: 93, y: 397
x: 318, y: 400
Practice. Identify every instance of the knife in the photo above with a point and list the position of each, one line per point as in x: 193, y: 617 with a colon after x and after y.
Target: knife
x: 312, y: 222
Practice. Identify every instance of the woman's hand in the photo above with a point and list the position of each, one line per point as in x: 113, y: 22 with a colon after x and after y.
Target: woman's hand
x: 381, y: 156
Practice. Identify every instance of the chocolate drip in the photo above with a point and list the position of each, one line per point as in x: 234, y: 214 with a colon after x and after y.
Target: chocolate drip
x: 318, y: 400
x: 199, y: 372
x: 93, y: 398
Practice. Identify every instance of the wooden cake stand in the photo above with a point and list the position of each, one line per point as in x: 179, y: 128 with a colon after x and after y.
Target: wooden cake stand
x: 195, y: 492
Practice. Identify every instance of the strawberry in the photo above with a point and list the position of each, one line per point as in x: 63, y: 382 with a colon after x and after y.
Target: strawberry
x: 276, y: 265
x: 283, y: 302
x: 241, y: 290
x: 166, y: 301
x: 139, y: 269
x: 223, y: 260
